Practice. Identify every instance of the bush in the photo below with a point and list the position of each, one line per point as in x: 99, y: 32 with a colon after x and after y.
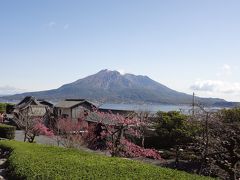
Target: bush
x: 2, y: 107
x: 174, y: 129
x: 7, y: 131
x: 6, y: 108
x: 34, y: 161
x: 230, y: 115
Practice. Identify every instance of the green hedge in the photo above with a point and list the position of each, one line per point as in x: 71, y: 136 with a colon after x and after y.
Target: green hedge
x: 3, y: 107
x: 7, y: 131
x: 34, y: 161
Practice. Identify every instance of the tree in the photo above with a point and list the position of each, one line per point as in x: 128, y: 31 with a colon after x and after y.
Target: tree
x: 114, y: 131
x: 32, y: 126
x: 230, y: 115
x: 104, y: 131
x: 175, y: 128
x: 1, y: 118
x: 38, y: 129
x: 226, y: 154
x: 219, y: 143
x: 69, y: 133
x: 143, y: 117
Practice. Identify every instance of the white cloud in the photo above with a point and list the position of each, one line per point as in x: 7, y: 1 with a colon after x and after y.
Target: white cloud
x: 121, y: 71
x: 222, y: 85
x: 66, y: 26
x: 226, y: 67
x: 52, y: 24
x: 225, y: 70
x: 6, y: 90
x: 216, y: 86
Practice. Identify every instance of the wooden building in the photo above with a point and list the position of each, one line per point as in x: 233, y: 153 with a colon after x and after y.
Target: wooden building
x: 126, y: 113
x: 73, y: 108
x: 31, y: 107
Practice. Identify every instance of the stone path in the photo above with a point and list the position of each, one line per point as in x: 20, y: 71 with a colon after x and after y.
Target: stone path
x: 19, y: 136
x: 2, y: 168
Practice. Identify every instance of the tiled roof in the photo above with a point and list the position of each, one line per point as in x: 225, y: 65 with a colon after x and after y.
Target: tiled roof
x: 68, y: 104
x: 27, y: 101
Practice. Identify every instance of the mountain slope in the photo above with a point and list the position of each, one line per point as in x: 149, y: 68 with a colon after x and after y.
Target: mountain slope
x: 111, y: 86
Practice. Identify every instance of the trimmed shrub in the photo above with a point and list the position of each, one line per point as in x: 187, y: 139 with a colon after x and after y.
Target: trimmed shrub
x: 7, y: 131
x: 34, y: 161
x: 6, y: 108
x: 2, y: 107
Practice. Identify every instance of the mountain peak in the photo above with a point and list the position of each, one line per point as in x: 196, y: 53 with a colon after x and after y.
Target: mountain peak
x: 104, y: 71
x: 111, y: 86
x: 107, y: 71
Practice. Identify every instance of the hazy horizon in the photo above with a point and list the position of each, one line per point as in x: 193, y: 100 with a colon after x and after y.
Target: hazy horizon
x: 186, y: 45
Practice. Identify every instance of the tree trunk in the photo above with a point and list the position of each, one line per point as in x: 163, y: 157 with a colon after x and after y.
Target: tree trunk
x: 143, y: 141
x: 232, y: 175
x: 25, y: 136
x: 177, y: 157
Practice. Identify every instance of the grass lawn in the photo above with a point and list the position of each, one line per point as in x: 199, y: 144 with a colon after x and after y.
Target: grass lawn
x: 34, y: 161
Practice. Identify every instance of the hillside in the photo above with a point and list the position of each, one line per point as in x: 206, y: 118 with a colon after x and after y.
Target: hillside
x: 111, y: 86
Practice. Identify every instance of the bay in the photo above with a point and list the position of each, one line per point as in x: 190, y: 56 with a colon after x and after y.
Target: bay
x: 146, y: 107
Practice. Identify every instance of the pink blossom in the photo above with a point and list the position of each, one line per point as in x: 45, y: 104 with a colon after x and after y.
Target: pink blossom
x: 116, y: 126
x: 41, y: 129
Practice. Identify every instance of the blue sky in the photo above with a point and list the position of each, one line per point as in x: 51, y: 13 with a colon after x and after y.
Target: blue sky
x: 186, y: 45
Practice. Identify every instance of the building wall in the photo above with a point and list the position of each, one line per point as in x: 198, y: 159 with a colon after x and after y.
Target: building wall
x: 64, y: 111
x: 74, y: 113
x: 78, y: 111
x: 38, y: 111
